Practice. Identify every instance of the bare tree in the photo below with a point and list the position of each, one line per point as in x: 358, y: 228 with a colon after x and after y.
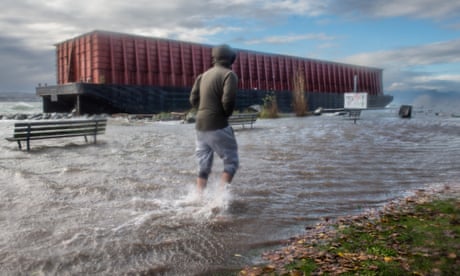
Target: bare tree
x: 299, y: 101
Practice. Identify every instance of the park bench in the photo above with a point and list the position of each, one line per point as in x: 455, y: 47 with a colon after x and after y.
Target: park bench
x: 26, y: 131
x: 243, y: 119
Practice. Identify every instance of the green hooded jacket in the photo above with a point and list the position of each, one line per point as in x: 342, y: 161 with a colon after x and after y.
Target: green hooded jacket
x: 214, y: 91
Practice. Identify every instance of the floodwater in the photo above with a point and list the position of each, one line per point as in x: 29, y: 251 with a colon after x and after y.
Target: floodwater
x: 127, y: 205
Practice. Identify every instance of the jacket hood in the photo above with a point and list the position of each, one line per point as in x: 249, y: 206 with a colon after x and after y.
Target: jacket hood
x: 223, y: 55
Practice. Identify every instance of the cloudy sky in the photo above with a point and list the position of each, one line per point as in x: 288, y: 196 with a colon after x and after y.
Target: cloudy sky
x: 416, y: 42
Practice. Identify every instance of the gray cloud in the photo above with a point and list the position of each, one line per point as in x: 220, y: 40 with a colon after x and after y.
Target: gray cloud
x: 28, y: 30
x: 290, y: 38
x: 434, y: 53
x: 428, y: 9
x: 61, y: 19
x: 398, y: 64
x: 23, y: 68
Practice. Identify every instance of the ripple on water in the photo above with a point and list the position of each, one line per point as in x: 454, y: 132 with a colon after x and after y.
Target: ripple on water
x: 128, y: 204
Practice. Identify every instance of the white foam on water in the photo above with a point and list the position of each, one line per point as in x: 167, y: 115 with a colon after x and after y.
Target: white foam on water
x: 214, y: 201
x: 22, y: 106
x: 191, y: 198
x: 190, y: 207
x: 138, y: 187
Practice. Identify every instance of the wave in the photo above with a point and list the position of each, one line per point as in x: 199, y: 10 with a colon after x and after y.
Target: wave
x: 20, y: 107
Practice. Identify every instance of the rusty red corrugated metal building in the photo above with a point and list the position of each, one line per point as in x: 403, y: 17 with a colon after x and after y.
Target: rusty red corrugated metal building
x: 109, y: 58
x: 114, y: 58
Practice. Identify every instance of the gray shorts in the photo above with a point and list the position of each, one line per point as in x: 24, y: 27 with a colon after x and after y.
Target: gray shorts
x: 222, y: 142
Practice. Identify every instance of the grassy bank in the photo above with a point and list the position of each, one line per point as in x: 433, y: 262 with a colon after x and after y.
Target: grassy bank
x: 419, y: 235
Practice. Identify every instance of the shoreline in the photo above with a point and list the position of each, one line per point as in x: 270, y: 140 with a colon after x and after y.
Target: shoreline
x: 306, y: 246
x: 38, y: 116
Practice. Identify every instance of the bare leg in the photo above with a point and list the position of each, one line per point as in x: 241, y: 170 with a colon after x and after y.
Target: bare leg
x: 201, y: 184
x: 225, y: 178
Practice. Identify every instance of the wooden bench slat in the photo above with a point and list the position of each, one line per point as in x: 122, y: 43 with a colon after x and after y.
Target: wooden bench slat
x: 50, y: 136
x: 62, y: 122
x: 37, y: 135
x: 51, y: 130
x: 32, y: 131
x: 22, y: 125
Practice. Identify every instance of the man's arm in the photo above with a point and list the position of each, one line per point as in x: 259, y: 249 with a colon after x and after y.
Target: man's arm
x: 195, y: 93
x: 229, y: 95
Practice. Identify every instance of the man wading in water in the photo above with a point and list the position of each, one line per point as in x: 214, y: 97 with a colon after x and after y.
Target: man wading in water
x: 214, y: 94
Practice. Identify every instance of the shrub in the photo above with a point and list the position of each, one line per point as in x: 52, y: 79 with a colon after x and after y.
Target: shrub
x: 270, y: 107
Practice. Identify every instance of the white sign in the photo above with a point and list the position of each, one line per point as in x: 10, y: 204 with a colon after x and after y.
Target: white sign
x: 355, y: 100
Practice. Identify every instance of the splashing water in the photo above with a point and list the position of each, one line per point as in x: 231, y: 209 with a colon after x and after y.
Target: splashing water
x: 129, y: 205
x: 212, y: 203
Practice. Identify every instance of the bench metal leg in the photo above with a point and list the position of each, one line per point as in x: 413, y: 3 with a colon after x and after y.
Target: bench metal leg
x: 28, y: 145
x: 19, y: 145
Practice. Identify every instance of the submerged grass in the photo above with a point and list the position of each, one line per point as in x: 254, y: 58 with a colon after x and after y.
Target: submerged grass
x: 419, y: 237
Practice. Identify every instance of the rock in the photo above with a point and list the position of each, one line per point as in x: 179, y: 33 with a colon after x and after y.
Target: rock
x: 405, y: 111
x: 20, y: 117
x: 38, y: 116
x: 318, y: 111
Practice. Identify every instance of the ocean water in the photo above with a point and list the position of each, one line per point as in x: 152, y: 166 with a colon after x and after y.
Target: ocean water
x: 22, y: 107
x: 127, y: 205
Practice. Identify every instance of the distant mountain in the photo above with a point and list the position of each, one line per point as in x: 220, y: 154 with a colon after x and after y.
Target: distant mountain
x: 18, y: 97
